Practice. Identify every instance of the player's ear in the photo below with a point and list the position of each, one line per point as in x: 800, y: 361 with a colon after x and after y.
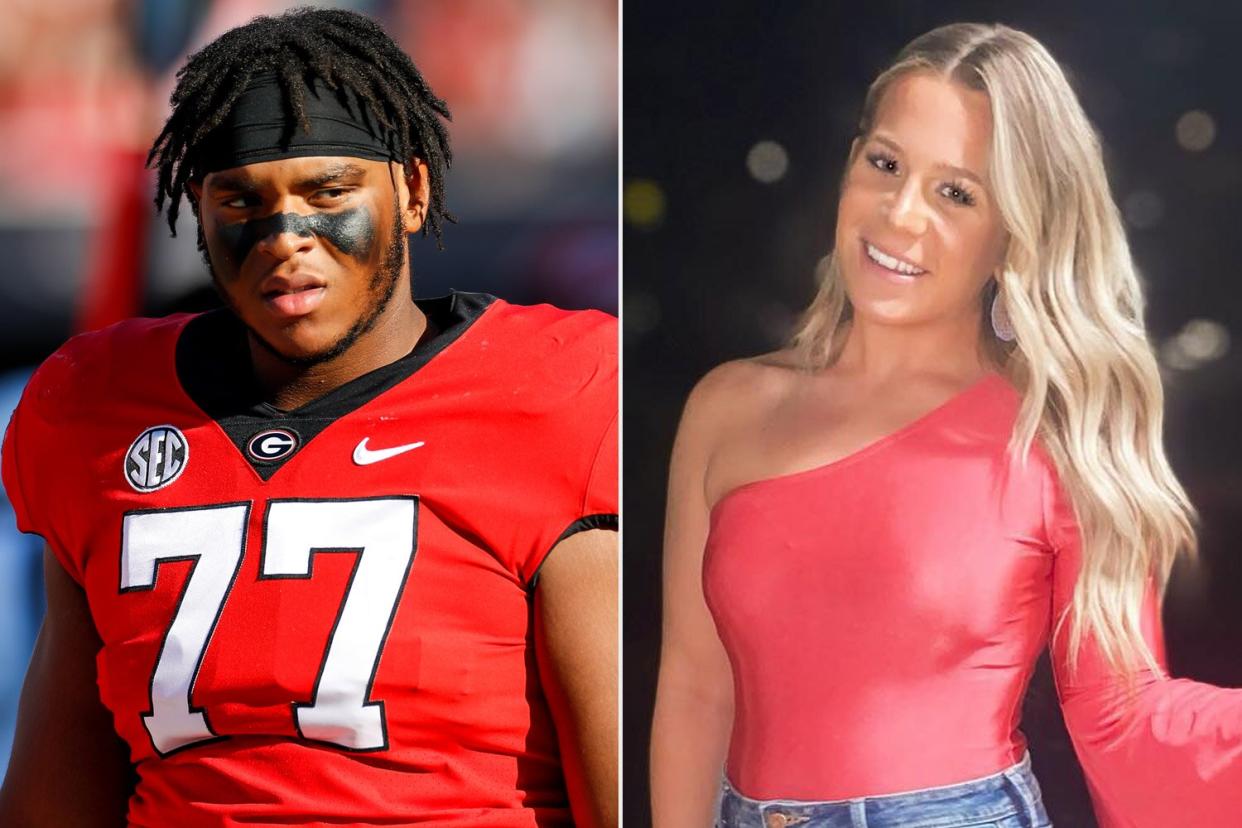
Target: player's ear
x: 415, y: 195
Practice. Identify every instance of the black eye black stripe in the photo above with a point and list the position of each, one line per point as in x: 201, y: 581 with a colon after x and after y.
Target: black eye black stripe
x: 350, y: 231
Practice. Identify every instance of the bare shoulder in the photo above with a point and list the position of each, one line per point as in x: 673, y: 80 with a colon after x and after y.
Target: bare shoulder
x: 736, y: 395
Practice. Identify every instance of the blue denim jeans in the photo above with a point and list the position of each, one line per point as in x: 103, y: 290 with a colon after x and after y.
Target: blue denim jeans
x: 1009, y: 799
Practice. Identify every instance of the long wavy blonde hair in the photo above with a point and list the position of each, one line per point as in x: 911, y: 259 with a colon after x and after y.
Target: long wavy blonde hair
x: 1091, y: 386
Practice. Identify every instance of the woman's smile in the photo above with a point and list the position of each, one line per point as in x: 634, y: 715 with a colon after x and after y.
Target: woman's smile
x: 889, y: 266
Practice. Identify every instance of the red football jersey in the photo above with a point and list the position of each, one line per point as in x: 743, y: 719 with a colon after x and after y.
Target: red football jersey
x: 323, y: 616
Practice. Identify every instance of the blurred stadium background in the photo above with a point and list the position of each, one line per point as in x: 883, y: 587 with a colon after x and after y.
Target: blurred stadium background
x: 84, y: 86
x: 738, y: 115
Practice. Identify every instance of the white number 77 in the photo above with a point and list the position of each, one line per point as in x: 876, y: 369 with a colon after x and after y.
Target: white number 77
x: 380, y: 531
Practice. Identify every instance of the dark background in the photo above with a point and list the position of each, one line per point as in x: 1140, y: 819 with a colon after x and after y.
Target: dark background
x: 718, y: 263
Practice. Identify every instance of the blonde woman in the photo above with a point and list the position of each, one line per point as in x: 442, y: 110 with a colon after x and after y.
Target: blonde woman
x: 873, y: 533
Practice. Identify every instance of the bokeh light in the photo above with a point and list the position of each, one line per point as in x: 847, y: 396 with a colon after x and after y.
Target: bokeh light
x: 643, y: 203
x: 1198, y: 342
x: 642, y: 313
x: 1204, y: 339
x: 1196, y: 130
x: 767, y: 162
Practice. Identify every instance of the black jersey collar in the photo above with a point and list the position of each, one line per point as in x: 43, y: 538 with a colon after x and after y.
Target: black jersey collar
x: 214, y: 368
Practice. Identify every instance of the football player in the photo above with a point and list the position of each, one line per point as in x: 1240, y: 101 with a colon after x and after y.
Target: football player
x: 330, y: 555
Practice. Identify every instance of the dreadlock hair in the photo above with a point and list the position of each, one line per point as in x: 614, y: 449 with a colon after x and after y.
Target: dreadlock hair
x: 343, y: 49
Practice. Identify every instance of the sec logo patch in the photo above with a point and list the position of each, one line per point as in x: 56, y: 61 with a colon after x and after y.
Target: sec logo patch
x: 272, y: 445
x: 156, y: 458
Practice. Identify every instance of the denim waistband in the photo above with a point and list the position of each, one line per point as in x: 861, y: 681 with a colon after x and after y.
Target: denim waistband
x: 1011, y: 795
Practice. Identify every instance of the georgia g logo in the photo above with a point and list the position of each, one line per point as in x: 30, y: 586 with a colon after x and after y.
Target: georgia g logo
x: 156, y: 458
x: 272, y: 445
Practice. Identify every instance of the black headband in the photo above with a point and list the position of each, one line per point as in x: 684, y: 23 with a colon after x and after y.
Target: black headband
x: 262, y: 127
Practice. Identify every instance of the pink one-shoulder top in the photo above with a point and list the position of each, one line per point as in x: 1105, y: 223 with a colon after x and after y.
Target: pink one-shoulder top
x: 883, y: 614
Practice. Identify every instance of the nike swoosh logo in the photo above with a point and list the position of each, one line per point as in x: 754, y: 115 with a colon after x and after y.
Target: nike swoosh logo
x: 365, y: 457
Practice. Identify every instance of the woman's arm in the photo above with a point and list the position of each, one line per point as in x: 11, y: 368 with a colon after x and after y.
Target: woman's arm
x: 68, y: 766
x: 694, y: 697
x: 1171, y: 753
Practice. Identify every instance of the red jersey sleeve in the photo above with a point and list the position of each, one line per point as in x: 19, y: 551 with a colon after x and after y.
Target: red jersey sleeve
x: 1169, y: 755
x: 580, y: 436
x: 601, y: 489
x: 34, y: 461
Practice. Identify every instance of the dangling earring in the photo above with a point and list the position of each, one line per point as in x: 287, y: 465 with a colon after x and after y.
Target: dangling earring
x: 1001, y: 325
